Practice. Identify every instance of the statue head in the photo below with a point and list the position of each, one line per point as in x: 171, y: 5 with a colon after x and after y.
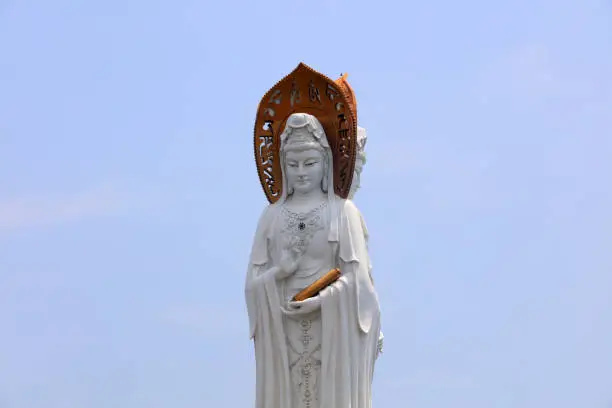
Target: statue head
x: 360, y: 161
x: 305, y: 155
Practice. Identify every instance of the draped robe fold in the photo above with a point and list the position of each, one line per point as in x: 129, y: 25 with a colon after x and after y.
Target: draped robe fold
x: 350, y: 317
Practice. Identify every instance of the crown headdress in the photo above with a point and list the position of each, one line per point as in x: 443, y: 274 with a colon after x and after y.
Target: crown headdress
x: 300, y: 140
x: 306, y: 91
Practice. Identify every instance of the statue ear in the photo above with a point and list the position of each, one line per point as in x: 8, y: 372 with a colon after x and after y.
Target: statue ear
x: 324, y: 183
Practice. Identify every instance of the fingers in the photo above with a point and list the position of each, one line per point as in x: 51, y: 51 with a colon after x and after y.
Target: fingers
x: 296, y: 308
x: 305, y: 306
x: 296, y: 305
x: 292, y: 254
x: 325, y: 291
x: 294, y: 312
x: 286, y: 243
x: 302, y: 303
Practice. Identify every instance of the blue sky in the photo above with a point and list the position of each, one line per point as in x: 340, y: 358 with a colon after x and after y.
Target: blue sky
x: 129, y: 197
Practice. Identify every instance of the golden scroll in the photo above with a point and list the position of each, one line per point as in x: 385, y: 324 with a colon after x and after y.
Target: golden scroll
x: 320, y: 284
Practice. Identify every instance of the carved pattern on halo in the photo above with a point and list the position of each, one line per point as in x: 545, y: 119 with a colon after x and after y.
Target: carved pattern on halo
x: 313, y: 92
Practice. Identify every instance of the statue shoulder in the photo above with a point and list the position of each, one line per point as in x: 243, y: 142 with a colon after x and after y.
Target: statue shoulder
x: 350, y: 209
x: 267, y: 216
x: 355, y: 216
x: 259, y: 251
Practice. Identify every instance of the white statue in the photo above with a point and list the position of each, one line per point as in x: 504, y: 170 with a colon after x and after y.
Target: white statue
x: 319, y: 352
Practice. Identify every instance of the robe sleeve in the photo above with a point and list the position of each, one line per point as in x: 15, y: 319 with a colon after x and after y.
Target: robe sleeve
x: 258, y: 262
x: 366, y: 235
x: 355, y: 261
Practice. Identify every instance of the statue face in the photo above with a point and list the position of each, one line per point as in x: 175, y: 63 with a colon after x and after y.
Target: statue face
x: 356, y: 183
x: 304, y: 170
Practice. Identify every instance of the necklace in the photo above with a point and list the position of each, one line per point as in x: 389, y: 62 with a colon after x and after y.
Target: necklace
x: 301, y: 227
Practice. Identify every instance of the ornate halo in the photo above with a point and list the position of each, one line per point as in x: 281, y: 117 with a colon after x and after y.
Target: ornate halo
x: 348, y: 93
x: 306, y: 91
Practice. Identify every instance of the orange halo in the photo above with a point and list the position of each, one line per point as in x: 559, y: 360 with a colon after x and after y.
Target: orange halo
x: 333, y: 103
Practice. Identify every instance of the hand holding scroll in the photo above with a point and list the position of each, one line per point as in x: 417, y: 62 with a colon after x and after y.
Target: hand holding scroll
x: 300, y: 308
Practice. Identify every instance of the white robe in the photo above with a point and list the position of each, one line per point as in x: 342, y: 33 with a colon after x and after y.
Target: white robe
x: 350, y: 318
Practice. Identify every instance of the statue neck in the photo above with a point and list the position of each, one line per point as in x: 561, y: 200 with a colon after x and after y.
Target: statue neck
x: 312, y: 197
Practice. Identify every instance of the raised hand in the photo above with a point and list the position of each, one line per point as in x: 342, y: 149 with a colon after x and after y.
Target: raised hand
x: 290, y: 260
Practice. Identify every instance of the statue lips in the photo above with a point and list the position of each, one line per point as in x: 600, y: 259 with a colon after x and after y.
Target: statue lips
x: 302, y: 182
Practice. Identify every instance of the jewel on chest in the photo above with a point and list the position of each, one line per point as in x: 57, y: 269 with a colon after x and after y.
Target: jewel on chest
x: 299, y: 228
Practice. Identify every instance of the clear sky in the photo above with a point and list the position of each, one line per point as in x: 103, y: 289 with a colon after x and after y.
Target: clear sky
x: 129, y: 196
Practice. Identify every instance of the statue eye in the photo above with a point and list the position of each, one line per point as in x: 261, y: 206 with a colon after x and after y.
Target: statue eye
x: 292, y: 164
x: 312, y: 163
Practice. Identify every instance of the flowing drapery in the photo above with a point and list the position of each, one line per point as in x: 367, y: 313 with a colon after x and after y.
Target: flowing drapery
x: 349, y: 312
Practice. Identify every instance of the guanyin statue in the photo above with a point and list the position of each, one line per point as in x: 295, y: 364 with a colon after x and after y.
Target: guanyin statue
x: 318, y: 352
